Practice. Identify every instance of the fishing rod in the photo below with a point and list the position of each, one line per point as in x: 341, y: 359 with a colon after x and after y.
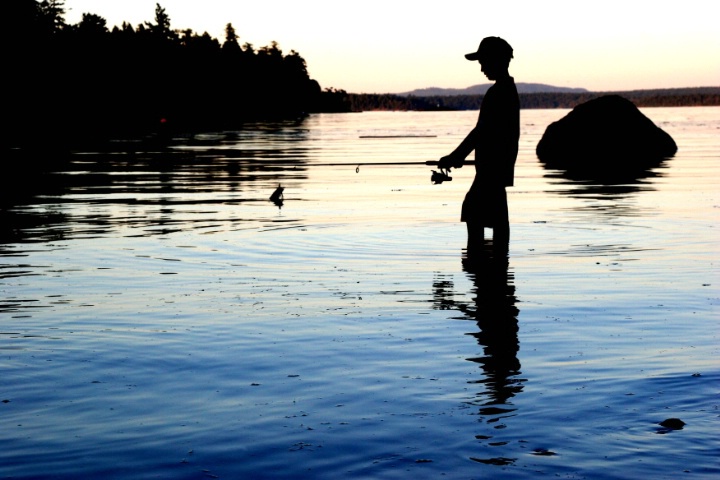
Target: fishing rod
x: 437, y: 177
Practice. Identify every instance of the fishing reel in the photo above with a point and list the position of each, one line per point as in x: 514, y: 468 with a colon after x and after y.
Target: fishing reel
x: 443, y: 175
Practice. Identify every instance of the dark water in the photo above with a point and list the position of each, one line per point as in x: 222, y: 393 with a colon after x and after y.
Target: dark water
x: 161, y: 318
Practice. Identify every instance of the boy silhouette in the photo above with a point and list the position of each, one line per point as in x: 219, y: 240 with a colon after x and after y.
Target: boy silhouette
x: 495, y: 141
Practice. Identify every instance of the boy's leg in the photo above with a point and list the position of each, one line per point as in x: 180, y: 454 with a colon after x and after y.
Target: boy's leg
x: 501, y: 229
x: 501, y: 237
x: 476, y: 237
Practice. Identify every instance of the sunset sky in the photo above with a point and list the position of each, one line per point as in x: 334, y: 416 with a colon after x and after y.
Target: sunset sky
x: 393, y: 46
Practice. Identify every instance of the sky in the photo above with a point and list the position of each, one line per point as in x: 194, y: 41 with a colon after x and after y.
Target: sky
x: 395, y: 46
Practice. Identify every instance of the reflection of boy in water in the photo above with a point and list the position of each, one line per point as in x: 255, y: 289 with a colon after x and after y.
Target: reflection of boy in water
x: 495, y: 141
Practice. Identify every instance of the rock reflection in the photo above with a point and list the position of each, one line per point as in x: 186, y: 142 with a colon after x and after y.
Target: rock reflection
x: 598, y: 182
x: 601, y: 180
x: 608, y: 195
x: 493, y: 308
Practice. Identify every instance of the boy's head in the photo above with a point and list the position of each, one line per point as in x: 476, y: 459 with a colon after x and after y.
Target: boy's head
x: 493, y: 50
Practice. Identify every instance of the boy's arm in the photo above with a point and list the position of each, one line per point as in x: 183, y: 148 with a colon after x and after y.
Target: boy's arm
x: 457, y: 156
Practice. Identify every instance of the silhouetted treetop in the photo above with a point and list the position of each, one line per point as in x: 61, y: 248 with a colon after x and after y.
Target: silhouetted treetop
x: 92, y: 25
x: 161, y: 27
x: 231, y: 38
x: 51, y: 15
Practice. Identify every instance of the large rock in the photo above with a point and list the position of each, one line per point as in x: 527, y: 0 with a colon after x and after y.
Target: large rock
x: 607, y: 133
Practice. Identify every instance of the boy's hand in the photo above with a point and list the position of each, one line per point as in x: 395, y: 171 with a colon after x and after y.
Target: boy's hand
x: 450, y: 161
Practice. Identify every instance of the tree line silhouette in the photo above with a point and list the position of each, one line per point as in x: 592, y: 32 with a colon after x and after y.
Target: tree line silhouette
x: 87, y: 81
x: 701, y: 96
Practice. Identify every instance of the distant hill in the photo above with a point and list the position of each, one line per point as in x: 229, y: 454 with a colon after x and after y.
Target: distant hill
x: 483, y: 88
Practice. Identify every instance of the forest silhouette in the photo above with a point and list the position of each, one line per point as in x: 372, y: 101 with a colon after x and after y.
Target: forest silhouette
x: 76, y: 83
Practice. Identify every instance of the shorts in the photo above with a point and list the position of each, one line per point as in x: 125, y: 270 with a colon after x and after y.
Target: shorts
x: 485, y: 205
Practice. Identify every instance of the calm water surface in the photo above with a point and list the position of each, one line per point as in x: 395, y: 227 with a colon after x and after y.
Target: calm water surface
x: 161, y: 318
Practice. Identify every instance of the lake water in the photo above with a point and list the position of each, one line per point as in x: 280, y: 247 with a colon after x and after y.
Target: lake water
x: 161, y: 318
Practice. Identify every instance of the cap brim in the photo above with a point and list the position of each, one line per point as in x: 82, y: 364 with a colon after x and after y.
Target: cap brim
x: 473, y: 56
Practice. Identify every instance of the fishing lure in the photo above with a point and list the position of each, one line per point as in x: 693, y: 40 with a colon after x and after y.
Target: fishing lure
x: 277, y: 196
